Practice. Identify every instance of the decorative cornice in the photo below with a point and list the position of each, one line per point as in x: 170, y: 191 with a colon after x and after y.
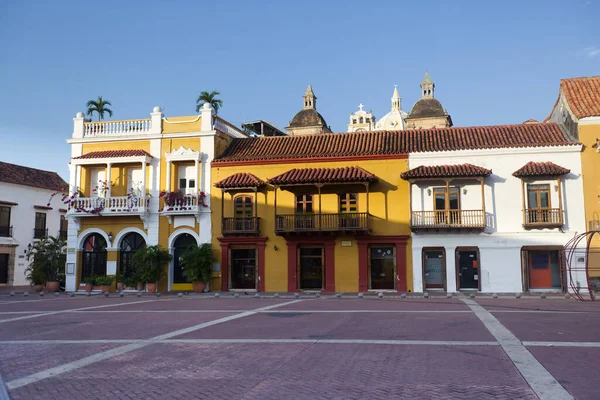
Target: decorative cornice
x: 183, y: 154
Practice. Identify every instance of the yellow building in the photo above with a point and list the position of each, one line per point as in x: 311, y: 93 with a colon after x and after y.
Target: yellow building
x: 140, y: 182
x: 320, y: 212
x: 578, y: 110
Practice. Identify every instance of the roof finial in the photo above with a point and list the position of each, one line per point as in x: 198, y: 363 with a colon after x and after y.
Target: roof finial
x: 310, y: 100
x: 360, y: 106
x: 427, y: 87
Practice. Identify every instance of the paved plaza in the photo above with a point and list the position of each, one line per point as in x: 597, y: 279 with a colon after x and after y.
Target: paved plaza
x: 170, y: 347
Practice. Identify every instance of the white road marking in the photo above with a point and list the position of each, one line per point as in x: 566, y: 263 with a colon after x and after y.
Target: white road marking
x: 539, y: 379
x: 77, y: 309
x: 250, y: 341
x: 17, y: 383
x: 561, y: 344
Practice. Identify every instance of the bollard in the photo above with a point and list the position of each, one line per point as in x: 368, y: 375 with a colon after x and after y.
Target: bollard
x: 139, y: 295
x: 276, y: 295
x: 26, y: 294
x: 543, y: 296
x: 72, y: 294
x: 380, y: 295
x: 12, y: 294
x: 472, y: 296
x: 338, y: 295
x: 567, y: 296
x: 403, y: 296
x: 256, y: 296
x: 180, y: 295
x: 317, y: 295
x: 426, y: 295
x: 217, y: 295
x: 449, y: 296
x: 88, y: 294
x: 56, y: 294
x: 518, y: 295
x: 105, y: 294
x: 121, y: 294
x: 495, y: 295
x: 41, y: 294
x: 296, y: 295
x: 360, y: 295
x: 237, y: 295
x: 157, y: 294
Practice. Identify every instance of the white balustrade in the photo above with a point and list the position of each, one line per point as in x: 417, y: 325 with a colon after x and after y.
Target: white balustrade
x: 117, y: 128
x: 189, y: 202
x: 109, y: 205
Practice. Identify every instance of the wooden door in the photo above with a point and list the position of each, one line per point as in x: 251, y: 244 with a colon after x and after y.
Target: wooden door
x: 540, y: 271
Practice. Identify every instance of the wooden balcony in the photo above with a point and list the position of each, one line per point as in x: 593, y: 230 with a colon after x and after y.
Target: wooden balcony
x: 240, y: 226
x: 543, y: 218
x: 448, y: 219
x: 331, y: 223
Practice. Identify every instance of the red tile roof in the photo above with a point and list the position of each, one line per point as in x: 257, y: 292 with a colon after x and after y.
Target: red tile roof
x: 113, y: 154
x: 239, y: 180
x: 382, y: 143
x: 322, y: 175
x: 540, y: 169
x: 446, y: 171
x: 582, y: 95
x: 20, y: 175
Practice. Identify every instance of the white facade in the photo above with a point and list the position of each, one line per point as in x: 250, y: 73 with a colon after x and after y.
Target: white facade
x: 501, y: 242
x: 190, y: 217
x: 23, y: 211
x: 361, y: 120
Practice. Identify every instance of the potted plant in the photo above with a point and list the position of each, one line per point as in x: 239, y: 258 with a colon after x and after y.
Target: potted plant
x: 89, y: 283
x: 149, y: 262
x: 197, y: 265
x: 48, y: 257
x: 35, y: 276
x: 103, y: 283
x: 120, y: 281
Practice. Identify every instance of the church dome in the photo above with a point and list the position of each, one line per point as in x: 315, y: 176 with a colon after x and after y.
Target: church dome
x: 427, y: 107
x: 307, y: 117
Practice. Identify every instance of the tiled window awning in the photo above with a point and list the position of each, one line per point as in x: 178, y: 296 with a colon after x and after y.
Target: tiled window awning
x: 307, y: 176
x: 116, y: 156
x: 239, y: 181
x: 540, y: 169
x: 446, y: 171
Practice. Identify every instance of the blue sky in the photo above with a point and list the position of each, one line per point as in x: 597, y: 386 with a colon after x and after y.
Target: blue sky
x: 493, y: 62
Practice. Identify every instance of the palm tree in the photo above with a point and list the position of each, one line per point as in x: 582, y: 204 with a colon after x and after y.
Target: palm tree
x: 210, y: 98
x: 99, y: 106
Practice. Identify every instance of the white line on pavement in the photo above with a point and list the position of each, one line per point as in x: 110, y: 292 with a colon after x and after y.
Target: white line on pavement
x: 17, y: 383
x: 261, y: 312
x: 78, y: 309
x: 539, y: 379
x: 256, y: 341
x: 561, y: 344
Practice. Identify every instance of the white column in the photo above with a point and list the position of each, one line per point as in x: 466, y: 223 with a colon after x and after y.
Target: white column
x: 78, y: 179
x: 108, y: 180
x: 168, y: 185
x: 451, y: 269
x: 72, y: 179
x: 78, y: 126
x: 156, y: 120
x: 144, y: 178
x: 196, y: 175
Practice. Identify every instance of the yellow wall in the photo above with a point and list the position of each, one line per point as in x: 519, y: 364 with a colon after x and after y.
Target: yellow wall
x: 388, y: 205
x: 590, y: 163
x: 191, y: 123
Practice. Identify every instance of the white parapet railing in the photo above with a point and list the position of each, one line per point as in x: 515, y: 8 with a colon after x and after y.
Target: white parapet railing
x: 117, y: 128
x: 187, y: 204
x: 109, y: 205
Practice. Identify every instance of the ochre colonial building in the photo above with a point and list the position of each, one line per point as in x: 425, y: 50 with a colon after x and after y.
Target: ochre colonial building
x: 322, y: 212
x: 577, y: 109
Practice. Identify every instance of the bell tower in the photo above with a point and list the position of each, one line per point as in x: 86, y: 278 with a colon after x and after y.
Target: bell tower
x: 310, y: 100
x: 427, y: 87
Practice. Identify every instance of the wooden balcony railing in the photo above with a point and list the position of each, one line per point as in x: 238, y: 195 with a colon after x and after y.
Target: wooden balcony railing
x: 40, y: 233
x: 6, y: 231
x: 240, y: 226
x: 448, y: 219
x: 543, y: 218
x: 343, y: 222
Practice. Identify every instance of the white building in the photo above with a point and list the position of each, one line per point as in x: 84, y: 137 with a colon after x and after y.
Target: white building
x: 118, y: 170
x: 494, y: 219
x: 361, y: 120
x: 28, y: 212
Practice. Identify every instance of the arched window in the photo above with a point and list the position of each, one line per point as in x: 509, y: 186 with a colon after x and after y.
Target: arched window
x: 243, y: 206
x: 181, y: 244
x: 93, y: 256
x: 360, y: 120
x: 129, y: 245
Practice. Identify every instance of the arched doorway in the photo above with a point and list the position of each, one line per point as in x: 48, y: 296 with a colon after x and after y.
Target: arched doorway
x: 181, y: 244
x: 93, y: 256
x: 130, y: 243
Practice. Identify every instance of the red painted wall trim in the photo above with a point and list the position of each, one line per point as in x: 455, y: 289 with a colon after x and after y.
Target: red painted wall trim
x: 400, y: 241
x: 259, y: 242
x: 306, y: 160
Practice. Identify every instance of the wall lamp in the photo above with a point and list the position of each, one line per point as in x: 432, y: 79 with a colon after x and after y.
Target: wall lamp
x: 429, y: 191
x: 275, y: 247
x: 110, y: 236
x: 464, y: 190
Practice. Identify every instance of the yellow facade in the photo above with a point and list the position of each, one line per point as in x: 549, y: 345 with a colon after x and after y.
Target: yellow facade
x: 590, y: 163
x: 388, y: 207
x: 189, y: 128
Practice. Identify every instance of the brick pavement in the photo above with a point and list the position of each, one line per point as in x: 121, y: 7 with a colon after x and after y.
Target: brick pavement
x: 313, y: 369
